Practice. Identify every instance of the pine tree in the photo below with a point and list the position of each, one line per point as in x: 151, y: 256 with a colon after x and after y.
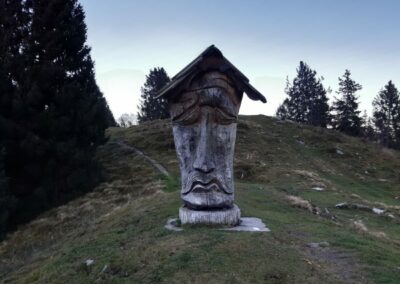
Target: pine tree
x: 4, y: 196
x: 283, y: 110
x: 368, y: 128
x: 150, y: 107
x: 13, y: 31
x: 346, y: 116
x: 307, y: 101
x: 61, y: 109
x: 14, y: 21
x: 111, y: 122
x: 7, y: 200
x: 387, y: 116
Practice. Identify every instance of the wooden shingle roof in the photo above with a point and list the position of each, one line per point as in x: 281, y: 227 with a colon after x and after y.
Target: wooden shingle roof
x: 210, y: 59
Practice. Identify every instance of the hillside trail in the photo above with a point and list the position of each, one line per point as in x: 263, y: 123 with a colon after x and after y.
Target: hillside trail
x: 153, y: 162
x: 344, y: 264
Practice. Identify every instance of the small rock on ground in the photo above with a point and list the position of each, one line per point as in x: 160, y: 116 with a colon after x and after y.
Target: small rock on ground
x: 339, y: 152
x: 318, y: 188
x: 89, y: 262
x: 378, y: 210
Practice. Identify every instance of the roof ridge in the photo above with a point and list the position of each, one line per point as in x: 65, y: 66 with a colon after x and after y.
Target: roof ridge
x: 200, y: 64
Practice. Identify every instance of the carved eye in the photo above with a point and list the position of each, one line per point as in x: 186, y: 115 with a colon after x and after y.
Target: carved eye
x: 224, y: 118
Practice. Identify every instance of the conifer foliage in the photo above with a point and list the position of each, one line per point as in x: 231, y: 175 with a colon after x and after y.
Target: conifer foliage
x: 13, y: 29
x: 307, y: 101
x: 152, y: 108
x: 368, y: 127
x: 56, y: 115
x: 346, y: 116
x: 7, y: 201
x: 387, y: 116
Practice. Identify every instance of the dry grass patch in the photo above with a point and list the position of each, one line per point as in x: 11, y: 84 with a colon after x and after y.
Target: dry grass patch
x: 360, y: 227
x: 299, y: 202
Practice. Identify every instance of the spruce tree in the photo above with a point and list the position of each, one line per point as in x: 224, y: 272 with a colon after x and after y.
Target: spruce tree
x: 7, y: 200
x: 61, y: 108
x: 307, y: 101
x: 150, y: 107
x: 368, y: 127
x: 387, y: 116
x: 283, y: 110
x: 14, y: 29
x: 14, y: 22
x: 346, y: 116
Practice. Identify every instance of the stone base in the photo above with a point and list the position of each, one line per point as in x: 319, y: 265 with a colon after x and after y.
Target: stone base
x: 223, y: 217
x: 247, y: 224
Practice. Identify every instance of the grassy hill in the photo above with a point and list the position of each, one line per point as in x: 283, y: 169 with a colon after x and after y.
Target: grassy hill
x: 289, y: 175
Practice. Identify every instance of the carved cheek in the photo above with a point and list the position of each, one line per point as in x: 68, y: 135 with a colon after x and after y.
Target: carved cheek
x: 225, y: 150
x: 192, y: 140
x: 220, y: 141
x: 185, y: 141
x: 221, y: 147
x: 224, y: 137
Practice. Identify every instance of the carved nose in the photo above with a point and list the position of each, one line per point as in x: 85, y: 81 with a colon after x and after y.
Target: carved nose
x: 204, y: 161
x: 204, y: 164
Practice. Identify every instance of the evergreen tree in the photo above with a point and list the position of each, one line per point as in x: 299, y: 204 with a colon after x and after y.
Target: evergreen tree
x: 368, y: 128
x: 346, y: 116
x: 14, y: 22
x: 152, y: 108
x: 61, y: 109
x: 111, y: 122
x: 7, y: 201
x: 283, y: 110
x: 307, y: 101
x: 387, y: 116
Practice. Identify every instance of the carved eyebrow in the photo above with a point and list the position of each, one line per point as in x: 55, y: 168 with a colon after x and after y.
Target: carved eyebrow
x: 183, y: 104
x: 187, y: 114
x: 193, y: 112
x: 226, y: 116
x: 211, y: 95
x: 222, y: 110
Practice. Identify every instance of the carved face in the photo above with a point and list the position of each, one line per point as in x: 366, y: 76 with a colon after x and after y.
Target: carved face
x: 204, y: 127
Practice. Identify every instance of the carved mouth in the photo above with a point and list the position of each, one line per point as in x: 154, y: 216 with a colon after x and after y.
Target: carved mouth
x: 211, y: 186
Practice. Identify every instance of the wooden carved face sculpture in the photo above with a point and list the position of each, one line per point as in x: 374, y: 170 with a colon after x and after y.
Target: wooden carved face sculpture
x: 204, y: 126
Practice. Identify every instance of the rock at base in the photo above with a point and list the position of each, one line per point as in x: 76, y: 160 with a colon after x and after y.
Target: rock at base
x: 173, y: 225
x: 223, y: 217
x: 249, y: 224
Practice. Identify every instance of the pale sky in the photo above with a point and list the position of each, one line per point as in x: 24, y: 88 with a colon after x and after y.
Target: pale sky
x: 265, y: 39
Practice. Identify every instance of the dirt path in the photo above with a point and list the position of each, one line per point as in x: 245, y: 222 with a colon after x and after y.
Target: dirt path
x: 153, y: 162
x: 339, y: 262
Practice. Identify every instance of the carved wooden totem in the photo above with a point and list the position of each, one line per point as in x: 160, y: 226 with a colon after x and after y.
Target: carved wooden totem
x: 204, y: 101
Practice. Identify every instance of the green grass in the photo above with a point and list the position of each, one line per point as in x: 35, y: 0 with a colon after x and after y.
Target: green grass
x: 121, y: 224
x: 172, y: 183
